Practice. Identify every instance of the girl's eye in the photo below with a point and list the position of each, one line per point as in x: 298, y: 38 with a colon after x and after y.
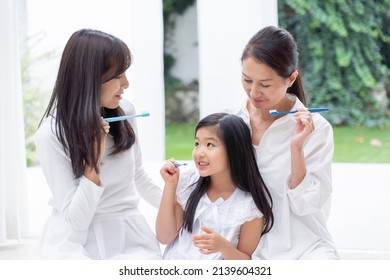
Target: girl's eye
x: 247, y: 81
x: 265, y: 86
x: 210, y: 145
x: 196, y: 144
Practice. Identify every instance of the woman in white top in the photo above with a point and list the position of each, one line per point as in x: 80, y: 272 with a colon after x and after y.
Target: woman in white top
x: 220, y: 212
x: 294, y: 151
x: 93, y: 168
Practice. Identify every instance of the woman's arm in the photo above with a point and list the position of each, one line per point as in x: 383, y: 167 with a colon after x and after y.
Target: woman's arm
x: 303, y: 128
x: 211, y: 242
x: 90, y: 172
x: 170, y: 214
x: 145, y: 185
x: 311, y: 178
x: 75, y: 199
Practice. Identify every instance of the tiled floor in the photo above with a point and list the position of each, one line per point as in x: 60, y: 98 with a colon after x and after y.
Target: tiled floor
x: 359, y: 220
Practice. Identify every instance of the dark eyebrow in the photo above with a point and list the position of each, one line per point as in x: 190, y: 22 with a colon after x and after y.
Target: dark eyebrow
x: 264, y: 80
x: 208, y: 138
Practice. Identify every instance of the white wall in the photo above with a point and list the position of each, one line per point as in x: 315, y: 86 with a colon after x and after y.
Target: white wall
x: 224, y: 27
x: 146, y: 88
x: 137, y: 25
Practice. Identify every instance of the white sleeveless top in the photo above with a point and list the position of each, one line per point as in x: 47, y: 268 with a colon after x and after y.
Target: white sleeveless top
x: 222, y: 216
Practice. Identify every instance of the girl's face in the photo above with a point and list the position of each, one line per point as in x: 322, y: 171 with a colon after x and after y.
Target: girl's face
x: 209, y: 153
x: 264, y: 87
x: 112, y: 90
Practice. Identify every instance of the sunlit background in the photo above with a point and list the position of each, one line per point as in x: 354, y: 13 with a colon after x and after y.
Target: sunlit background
x: 186, y: 65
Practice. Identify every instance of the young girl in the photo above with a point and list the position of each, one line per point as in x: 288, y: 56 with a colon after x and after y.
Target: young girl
x: 94, y: 168
x: 222, y: 213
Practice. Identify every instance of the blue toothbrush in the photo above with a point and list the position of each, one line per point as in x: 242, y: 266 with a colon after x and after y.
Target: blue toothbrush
x: 312, y: 110
x: 177, y: 164
x: 121, y: 118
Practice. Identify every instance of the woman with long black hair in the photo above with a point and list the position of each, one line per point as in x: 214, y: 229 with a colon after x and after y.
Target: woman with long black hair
x: 94, y: 168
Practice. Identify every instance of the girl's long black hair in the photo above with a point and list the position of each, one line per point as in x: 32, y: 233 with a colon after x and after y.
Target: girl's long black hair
x: 90, y: 58
x: 236, y: 136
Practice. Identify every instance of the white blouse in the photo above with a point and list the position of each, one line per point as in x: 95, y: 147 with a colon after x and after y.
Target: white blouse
x: 222, y: 216
x: 300, y: 230
x: 96, y: 222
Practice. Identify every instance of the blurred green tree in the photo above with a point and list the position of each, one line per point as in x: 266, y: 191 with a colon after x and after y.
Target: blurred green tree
x: 344, y: 48
x: 34, y: 97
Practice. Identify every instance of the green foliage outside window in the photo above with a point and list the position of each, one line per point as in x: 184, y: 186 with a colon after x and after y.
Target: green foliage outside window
x: 171, y: 10
x: 344, y: 48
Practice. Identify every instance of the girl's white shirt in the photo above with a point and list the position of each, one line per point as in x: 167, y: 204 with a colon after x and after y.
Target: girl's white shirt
x: 300, y: 230
x: 222, y: 216
x: 96, y: 222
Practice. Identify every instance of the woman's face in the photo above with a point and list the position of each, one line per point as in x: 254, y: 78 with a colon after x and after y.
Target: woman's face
x: 263, y: 86
x: 112, y: 90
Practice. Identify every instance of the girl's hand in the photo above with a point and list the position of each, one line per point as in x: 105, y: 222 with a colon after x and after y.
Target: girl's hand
x: 210, y: 242
x: 304, y: 126
x: 170, y: 173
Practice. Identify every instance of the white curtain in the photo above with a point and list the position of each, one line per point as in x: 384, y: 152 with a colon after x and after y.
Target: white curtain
x: 13, y: 197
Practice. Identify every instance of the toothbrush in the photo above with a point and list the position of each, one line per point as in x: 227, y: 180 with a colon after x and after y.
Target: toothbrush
x: 177, y: 164
x: 312, y: 110
x: 121, y: 118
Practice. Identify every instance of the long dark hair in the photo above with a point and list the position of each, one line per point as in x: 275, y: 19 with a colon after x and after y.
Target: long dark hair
x: 235, y: 135
x: 277, y: 48
x: 90, y: 58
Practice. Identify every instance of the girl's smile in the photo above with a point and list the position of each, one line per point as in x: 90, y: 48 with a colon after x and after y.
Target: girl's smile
x: 209, y: 153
